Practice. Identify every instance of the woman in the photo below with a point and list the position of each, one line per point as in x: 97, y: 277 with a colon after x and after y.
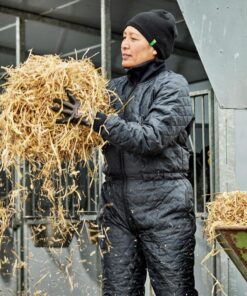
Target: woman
x: 147, y: 205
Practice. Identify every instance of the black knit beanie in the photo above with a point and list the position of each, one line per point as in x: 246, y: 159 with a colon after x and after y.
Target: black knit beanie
x: 159, y: 28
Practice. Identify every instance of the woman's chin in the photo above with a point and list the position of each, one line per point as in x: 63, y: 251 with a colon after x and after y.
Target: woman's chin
x: 126, y: 65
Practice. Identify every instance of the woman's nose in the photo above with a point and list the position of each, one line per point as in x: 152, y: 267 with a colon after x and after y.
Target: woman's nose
x: 125, y: 44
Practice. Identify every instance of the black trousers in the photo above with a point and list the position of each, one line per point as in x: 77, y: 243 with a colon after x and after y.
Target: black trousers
x: 148, y: 225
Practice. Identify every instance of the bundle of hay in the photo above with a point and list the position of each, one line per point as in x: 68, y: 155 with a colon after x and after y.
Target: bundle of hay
x: 28, y: 129
x: 27, y: 123
x: 228, y: 209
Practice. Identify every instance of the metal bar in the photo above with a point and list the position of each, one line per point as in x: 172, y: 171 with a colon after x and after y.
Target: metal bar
x: 17, y: 225
x: 212, y: 167
x: 33, y: 201
x: 66, y: 185
x: 96, y: 194
x: 24, y: 244
x: 194, y: 155
x: 61, y: 7
x: 211, y: 144
x: 191, y: 143
x: 7, y: 27
x: 215, y: 292
x: 106, y: 67
x: 20, y: 176
x: 180, y: 21
x: 20, y: 40
x: 199, y: 93
x: 88, y: 192
x: 203, y: 153
x: 106, y: 37
x: 216, y: 157
x: 88, y: 216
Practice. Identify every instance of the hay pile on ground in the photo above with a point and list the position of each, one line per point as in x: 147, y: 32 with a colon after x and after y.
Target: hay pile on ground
x: 27, y: 123
x: 228, y: 209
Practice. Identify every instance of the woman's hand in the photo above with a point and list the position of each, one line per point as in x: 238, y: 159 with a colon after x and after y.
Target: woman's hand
x: 70, y: 110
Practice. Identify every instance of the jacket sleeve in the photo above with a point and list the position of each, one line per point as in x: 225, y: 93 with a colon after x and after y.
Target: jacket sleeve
x: 169, y: 115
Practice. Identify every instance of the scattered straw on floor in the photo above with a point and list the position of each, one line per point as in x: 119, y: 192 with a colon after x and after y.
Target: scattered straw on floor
x: 228, y: 209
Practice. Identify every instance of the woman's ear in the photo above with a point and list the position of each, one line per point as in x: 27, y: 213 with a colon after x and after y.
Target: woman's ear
x: 154, y: 52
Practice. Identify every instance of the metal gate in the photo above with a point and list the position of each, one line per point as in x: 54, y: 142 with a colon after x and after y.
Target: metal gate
x: 202, y: 150
x: 202, y: 177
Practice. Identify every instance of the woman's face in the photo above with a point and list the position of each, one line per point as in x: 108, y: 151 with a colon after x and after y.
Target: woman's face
x: 135, y: 48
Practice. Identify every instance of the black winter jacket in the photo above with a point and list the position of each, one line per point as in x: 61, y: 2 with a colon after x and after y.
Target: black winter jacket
x: 147, y: 139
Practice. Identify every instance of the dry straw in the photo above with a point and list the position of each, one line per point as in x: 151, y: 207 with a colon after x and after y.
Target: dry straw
x: 28, y: 129
x: 228, y: 209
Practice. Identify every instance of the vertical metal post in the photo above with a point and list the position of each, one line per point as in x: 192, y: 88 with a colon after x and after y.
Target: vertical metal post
x: 106, y: 37
x: 20, y: 40
x: 211, y: 143
x: 105, y: 61
x: 106, y: 67
x: 203, y: 153
x: 194, y: 154
x: 20, y: 179
x: 216, y: 157
x: 89, y: 195
x: 213, y: 181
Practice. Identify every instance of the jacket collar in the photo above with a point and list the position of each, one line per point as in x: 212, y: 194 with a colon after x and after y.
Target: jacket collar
x: 145, y: 71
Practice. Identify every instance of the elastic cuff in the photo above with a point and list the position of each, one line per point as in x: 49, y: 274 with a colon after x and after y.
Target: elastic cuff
x: 99, y: 121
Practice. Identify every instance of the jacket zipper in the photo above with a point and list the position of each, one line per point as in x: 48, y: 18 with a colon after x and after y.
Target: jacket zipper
x: 121, y: 153
x: 124, y: 187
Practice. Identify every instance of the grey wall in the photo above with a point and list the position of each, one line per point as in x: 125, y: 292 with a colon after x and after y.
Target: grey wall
x: 211, y: 28
x: 241, y: 149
